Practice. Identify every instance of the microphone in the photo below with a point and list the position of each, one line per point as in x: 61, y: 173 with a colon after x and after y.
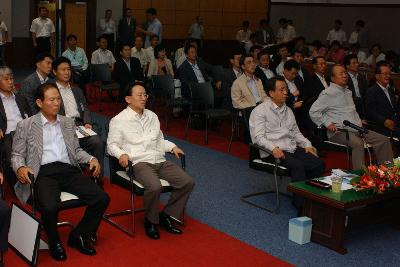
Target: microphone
x: 356, y: 127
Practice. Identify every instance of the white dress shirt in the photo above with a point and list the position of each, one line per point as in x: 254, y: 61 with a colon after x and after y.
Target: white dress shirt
x: 54, y: 148
x: 322, y: 79
x: 272, y: 126
x: 267, y: 72
x: 102, y: 56
x: 41, y: 78
x: 70, y: 106
x: 355, y: 83
x: 42, y: 27
x: 386, y: 91
x: 339, y: 35
x: 197, y: 72
x: 13, y: 113
x: 107, y: 27
x: 292, y: 88
x: 139, y: 137
x: 3, y: 30
x: 142, y: 55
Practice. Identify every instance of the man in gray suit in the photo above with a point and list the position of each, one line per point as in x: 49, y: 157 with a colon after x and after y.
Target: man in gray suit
x: 40, y: 76
x: 46, y: 148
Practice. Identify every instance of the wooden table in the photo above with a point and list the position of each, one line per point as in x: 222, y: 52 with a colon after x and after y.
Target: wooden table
x: 333, y: 214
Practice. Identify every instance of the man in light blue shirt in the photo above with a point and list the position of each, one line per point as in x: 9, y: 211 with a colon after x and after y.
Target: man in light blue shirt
x: 79, y: 61
x: 154, y: 26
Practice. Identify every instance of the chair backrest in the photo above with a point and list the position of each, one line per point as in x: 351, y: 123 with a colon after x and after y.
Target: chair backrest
x: 165, y: 83
x: 101, y: 72
x: 202, y: 95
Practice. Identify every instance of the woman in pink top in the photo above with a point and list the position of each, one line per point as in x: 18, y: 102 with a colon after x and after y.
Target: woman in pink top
x: 336, y: 53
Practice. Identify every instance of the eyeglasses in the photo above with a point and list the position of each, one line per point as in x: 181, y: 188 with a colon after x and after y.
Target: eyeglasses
x: 142, y: 95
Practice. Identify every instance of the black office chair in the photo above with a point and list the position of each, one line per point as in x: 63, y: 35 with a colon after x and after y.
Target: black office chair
x: 103, y: 80
x: 126, y: 179
x: 202, y: 102
x: 269, y: 165
x: 164, y: 84
x: 68, y: 201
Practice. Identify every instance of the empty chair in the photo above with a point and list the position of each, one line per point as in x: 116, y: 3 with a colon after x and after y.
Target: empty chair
x: 202, y: 102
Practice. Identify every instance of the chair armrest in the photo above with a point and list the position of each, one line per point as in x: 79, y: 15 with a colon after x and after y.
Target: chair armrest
x: 277, y: 161
x: 183, y: 160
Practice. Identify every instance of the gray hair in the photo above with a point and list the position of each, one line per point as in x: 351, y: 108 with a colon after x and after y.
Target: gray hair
x: 4, y: 70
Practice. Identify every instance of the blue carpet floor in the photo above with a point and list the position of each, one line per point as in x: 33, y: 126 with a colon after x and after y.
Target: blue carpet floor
x: 220, y: 181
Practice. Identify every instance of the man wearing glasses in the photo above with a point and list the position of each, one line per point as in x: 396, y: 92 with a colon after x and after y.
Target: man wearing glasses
x: 135, y: 135
x: 382, y: 107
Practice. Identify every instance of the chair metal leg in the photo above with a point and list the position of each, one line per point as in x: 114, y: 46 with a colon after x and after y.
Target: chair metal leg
x: 206, y: 137
x: 108, y: 217
x: 187, y: 124
x: 234, y: 121
x: 275, y: 209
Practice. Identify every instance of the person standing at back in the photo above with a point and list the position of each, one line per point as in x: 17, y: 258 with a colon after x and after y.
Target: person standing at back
x: 127, y: 28
x: 43, y: 32
x: 154, y: 27
x: 3, y: 41
x: 108, y: 29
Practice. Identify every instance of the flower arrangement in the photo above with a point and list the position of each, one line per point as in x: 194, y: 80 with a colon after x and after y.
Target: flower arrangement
x: 379, y: 178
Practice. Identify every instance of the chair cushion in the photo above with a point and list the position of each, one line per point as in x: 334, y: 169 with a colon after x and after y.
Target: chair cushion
x: 69, y: 201
x: 65, y: 196
x: 139, y: 188
x: 126, y: 177
x: 268, y: 166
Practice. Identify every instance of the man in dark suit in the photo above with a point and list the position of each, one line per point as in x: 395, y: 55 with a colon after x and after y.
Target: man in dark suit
x: 265, y: 34
x: 74, y: 106
x: 295, y: 85
x: 40, y: 76
x: 357, y: 83
x: 316, y: 83
x: 127, y: 69
x: 382, y: 107
x: 195, y: 70
x: 46, y: 147
x: 229, y: 76
x: 13, y: 108
x: 126, y: 28
x: 263, y: 72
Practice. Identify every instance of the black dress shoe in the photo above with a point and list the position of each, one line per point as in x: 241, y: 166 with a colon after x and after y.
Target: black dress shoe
x: 57, y: 252
x: 84, y: 245
x: 151, y: 229
x: 93, y: 238
x: 166, y: 222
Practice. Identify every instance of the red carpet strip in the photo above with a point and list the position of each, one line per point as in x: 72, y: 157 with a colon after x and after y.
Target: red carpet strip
x: 200, y: 245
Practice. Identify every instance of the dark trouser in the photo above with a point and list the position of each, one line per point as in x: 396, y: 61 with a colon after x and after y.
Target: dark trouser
x: 95, y: 147
x: 6, y: 147
x: 43, y: 45
x: 302, y: 166
x: 110, y: 41
x: 56, y: 177
x: 81, y: 77
x: 4, y: 225
x: 2, y: 55
x: 149, y: 176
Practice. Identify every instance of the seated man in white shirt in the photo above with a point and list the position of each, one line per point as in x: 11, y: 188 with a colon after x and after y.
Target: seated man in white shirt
x: 283, y: 54
x: 102, y: 55
x: 273, y: 126
x: 135, y: 135
x: 140, y: 53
